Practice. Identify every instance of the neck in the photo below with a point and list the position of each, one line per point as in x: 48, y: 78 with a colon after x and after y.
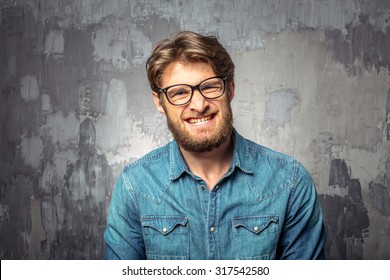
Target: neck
x: 210, y: 166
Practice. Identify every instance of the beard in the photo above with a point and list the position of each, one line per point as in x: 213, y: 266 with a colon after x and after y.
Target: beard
x: 209, y: 142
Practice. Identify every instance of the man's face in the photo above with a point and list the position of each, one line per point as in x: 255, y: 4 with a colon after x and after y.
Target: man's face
x: 203, y: 124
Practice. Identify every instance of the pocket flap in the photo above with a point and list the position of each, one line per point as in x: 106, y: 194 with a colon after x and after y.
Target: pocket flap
x: 255, y: 224
x: 164, y: 224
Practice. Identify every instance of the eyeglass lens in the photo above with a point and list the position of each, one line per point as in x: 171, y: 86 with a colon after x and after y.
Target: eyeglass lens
x: 210, y: 88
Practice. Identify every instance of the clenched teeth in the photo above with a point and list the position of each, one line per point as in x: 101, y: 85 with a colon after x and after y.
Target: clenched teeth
x: 199, y: 120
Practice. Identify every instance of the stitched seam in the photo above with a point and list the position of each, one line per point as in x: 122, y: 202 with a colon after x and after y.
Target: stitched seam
x: 293, y: 184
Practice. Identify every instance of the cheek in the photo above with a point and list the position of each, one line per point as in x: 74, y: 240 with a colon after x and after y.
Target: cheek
x: 173, y: 115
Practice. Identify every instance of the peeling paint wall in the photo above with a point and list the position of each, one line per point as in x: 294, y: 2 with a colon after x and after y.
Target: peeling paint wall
x: 312, y: 81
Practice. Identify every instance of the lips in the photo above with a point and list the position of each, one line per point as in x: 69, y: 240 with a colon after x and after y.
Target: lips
x: 200, y: 120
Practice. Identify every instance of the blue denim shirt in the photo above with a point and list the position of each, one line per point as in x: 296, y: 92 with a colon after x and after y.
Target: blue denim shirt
x: 265, y: 207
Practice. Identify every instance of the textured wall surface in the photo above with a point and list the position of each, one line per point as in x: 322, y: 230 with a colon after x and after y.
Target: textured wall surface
x: 312, y: 81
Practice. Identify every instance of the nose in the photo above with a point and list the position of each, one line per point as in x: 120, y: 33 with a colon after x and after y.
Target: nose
x: 198, y: 102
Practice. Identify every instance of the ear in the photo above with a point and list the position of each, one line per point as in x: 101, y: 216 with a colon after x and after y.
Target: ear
x: 231, y: 91
x: 158, y: 103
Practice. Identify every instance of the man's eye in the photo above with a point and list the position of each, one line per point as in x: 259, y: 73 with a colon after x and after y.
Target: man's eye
x: 211, y: 87
x: 178, y: 92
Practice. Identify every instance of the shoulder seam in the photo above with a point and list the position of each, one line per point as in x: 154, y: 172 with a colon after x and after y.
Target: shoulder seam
x: 295, y: 175
x: 269, y: 152
x: 149, y: 157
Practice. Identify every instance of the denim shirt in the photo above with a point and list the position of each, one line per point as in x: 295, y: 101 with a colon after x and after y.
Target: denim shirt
x: 264, y: 207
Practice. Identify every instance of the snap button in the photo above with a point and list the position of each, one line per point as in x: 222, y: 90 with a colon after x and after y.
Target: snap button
x: 202, y: 188
x: 256, y: 228
x: 212, y: 229
x: 217, y: 187
x: 164, y: 230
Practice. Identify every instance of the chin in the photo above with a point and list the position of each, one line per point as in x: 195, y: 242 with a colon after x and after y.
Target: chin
x: 206, y: 144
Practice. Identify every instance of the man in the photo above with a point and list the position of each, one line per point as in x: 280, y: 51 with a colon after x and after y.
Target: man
x: 210, y: 193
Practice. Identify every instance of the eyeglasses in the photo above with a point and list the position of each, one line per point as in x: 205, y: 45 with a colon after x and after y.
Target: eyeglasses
x: 181, y: 94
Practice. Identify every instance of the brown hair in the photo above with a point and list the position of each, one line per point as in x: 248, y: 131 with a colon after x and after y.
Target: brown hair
x: 188, y: 47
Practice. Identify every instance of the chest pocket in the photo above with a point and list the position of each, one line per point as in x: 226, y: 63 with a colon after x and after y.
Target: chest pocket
x: 166, y: 237
x: 255, y: 237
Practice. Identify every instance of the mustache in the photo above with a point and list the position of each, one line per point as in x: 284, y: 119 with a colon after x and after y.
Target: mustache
x: 207, y: 112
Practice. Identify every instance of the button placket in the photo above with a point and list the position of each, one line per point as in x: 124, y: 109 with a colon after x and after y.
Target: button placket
x: 212, y: 212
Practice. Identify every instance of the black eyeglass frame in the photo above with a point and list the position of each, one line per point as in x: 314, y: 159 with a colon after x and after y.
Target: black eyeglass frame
x: 165, y: 90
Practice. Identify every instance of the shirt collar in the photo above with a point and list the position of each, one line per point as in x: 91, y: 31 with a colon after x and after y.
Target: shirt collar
x: 241, y: 157
x: 241, y: 154
x: 176, y: 161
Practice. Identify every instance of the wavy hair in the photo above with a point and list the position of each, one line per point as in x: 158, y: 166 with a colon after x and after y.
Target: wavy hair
x: 188, y: 46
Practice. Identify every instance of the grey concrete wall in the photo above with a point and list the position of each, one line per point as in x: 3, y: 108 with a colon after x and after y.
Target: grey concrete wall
x: 312, y: 81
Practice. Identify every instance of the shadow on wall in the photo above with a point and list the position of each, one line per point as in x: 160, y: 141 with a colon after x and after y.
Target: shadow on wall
x: 345, y: 216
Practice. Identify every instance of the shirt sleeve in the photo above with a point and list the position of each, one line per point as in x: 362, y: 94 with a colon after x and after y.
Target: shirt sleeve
x: 123, y: 235
x: 303, y: 235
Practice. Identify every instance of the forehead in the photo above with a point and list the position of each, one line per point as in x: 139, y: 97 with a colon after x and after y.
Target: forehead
x: 186, y: 73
